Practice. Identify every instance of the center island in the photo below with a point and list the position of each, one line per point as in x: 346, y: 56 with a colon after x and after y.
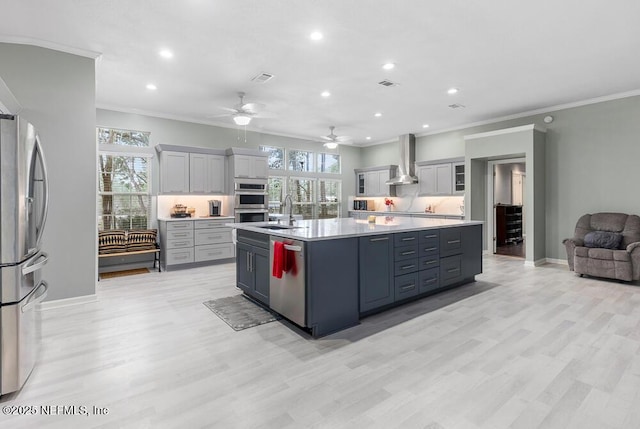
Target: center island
x: 325, y: 275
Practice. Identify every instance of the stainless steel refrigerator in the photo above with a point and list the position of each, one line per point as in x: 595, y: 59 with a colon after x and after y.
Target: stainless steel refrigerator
x: 24, y: 196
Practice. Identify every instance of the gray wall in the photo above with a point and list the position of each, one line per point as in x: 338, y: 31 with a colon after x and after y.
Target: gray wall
x: 592, y: 155
x: 168, y: 131
x: 57, y: 92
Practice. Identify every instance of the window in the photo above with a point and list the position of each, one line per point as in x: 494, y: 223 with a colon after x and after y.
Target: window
x: 300, y: 160
x: 328, y: 163
x: 329, y: 194
x: 276, y: 194
x: 276, y: 157
x: 302, y: 195
x: 124, y: 194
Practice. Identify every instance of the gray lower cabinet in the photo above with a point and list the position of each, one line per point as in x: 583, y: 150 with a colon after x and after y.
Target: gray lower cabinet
x: 252, y: 267
x: 376, y: 271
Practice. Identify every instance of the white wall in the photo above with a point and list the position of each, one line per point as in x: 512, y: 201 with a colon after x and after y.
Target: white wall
x: 57, y: 93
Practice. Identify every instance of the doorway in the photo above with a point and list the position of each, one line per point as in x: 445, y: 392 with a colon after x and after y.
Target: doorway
x: 508, y: 220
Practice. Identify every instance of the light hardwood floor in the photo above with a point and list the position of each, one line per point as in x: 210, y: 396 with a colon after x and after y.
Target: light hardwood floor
x: 520, y: 348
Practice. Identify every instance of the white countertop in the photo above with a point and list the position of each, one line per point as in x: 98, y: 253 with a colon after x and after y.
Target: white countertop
x: 402, y: 213
x: 171, y: 219
x: 327, y: 229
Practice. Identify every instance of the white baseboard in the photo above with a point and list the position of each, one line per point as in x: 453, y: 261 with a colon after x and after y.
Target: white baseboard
x: 536, y: 263
x: 557, y: 261
x: 59, y: 303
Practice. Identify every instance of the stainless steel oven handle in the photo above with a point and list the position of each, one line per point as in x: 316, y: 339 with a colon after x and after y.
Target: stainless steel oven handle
x: 293, y: 248
x: 36, y: 298
x: 36, y: 263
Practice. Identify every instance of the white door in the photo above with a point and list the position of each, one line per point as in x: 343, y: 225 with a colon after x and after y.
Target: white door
x: 517, y: 188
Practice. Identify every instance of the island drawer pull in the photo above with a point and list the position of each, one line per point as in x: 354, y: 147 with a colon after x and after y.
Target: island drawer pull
x: 406, y: 267
x: 431, y: 236
x: 408, y: 238
x: 408, y: 252
x: 379, y: 239
x: 453, y: 270
x: 433, y: 261
x: 411, y: 286
x: 430, y: 249
x: 453, y: 241
x: 432, y: 280
x: 293, y: 248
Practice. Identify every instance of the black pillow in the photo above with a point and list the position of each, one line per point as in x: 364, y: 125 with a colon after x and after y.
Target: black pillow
x: 603, y: 239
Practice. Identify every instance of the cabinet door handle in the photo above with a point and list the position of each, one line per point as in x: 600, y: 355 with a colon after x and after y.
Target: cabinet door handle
x: 408, y: 238
x: 248, y: 263
x: 434, y: 261
x: 453, y: 270
x: 407, y: 287
x: 406, y: 267
x: 251, y: 255
x: 408, y: 252
x: 453, y: 241
x: 379, y: 239
x: 430, y: 249
x: 431, y: 236
x: 429, y: 281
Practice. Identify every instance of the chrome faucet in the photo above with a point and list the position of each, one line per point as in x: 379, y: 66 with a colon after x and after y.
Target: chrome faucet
x: 291, y: 219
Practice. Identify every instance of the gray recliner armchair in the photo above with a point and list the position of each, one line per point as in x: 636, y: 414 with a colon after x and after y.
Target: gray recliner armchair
x: 606, y: 245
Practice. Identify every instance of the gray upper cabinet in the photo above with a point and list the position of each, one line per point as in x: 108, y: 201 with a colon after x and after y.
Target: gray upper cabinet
x: 249, y: 166
x: 174, y: 172
x: 191, y: 170
x: 371, y: 182
x: 206, y: 173
x: 441, y: 177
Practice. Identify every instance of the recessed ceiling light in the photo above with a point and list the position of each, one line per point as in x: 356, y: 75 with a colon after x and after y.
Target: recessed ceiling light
x: 316, y: 35
x: 388, y: 66
x: 165, y: 53
x: 368, y: 138
x: 452, y: 91
x: 425, y: 126
x: 377, y: 115
x: 325, y: 93
x: 151, y: 87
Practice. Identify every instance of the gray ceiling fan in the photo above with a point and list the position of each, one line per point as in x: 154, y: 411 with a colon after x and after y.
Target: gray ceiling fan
x: 242, y: 112
x: 333, y: 140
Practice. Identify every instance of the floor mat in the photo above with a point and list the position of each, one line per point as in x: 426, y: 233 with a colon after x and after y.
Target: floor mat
x: 123, y: 273
x: 240, y: 312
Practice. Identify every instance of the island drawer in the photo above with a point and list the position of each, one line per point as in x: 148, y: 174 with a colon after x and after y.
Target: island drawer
x: 429, y: 280
x: 179, y: 225
x: 432, y: 234
x: 181, y: 235
x: 406, y: 286
x: 406, y: 266
x: 179, y: 243
x: 213, y: 236
x: 450, y: 241
x: 405, y: 252
x: 430, y: 247
x: 450, y: 270
x: 179, y: 256
x: 213, y: 251
x: 428, y: 262
x: 406, y: 238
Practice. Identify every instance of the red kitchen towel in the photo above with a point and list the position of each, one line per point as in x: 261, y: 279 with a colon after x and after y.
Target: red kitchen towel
x: 290, y: 262
x: 278, y: 259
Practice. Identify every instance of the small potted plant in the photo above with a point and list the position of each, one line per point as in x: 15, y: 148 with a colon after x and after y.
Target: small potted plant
x: 389, y: 203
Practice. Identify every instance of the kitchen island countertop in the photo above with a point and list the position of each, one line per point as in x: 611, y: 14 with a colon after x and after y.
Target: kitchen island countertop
x: 330, y: 229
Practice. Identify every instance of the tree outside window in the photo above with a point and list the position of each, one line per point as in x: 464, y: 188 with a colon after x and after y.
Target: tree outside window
x: 300, y: 160
x: 275, y: 158
x: 328, y: 163
x: 302, y: 195
x: 276, y: 194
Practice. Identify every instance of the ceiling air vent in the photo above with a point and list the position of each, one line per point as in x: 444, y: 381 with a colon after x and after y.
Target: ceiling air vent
x: 387, y: 83
x: 262, y: 78
x: 456, y: 106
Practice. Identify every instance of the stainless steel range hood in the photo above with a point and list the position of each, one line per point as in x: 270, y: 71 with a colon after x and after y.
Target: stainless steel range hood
x: 406, y: 165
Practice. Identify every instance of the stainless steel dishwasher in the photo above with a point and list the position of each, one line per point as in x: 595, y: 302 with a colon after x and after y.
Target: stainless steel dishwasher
x: 287, y: 295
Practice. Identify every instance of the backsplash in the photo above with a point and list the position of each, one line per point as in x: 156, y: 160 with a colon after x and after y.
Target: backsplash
x: 407, y: 201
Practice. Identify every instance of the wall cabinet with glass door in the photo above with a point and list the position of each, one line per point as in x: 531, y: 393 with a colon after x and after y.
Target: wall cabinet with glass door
x: 439, y: 178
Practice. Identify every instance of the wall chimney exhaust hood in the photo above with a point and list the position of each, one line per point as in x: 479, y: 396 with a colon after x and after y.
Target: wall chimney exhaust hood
x: 406, y: 165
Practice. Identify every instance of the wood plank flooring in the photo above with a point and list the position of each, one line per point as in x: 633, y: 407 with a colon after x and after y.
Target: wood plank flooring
x: 520, y: 348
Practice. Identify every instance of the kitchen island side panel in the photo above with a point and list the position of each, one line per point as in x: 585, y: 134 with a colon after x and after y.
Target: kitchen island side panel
x: 332, y: 285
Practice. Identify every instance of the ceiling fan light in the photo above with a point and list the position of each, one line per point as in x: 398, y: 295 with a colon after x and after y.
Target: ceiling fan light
x: 241, y: 119
x: 331, y: 145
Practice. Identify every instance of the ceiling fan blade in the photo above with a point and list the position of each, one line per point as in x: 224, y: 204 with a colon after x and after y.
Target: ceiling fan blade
x: 343, y: 138
x: 252, y: 107
x: 227, y: 109
x: 329, y: 137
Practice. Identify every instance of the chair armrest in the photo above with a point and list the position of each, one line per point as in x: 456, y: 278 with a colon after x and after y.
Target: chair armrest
x: 632, y: 246
x: 570, y: 244
x: 577, y: 242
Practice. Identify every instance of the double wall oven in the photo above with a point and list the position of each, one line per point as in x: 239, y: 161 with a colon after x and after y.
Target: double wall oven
x: 251, y: 203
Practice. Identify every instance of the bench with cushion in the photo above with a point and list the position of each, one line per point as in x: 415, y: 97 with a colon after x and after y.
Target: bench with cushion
x: 606, y: 245
x: 118, y: 242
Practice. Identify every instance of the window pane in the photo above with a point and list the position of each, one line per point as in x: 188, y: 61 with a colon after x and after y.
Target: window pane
x: 123, y: 137
x: 276, y: 194
x: 301, y: 190
x: 306, y: 210
x: 328, y: 211
x: 328, y: 191
x: 300, y: 160
x: 328, y: 163
x: 276, y: 157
